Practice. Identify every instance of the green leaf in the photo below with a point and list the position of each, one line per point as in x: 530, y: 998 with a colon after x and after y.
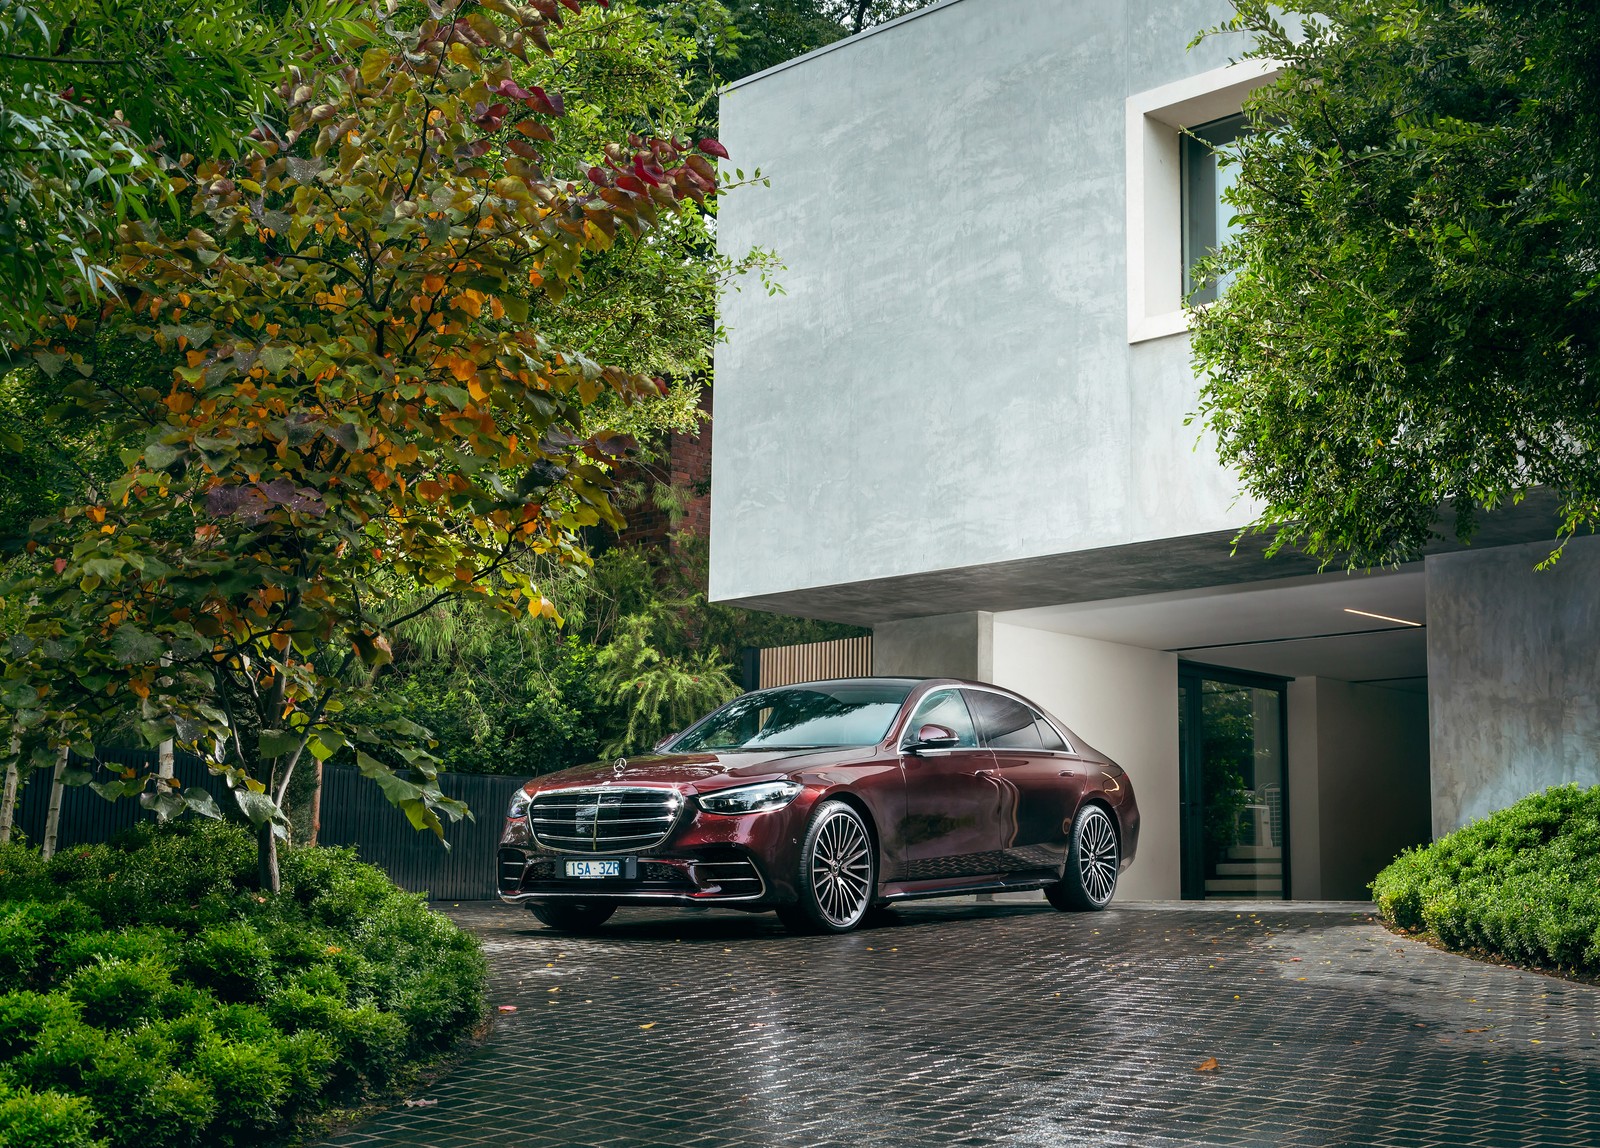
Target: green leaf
x: 131, y: 646
x: 258, y: 807
x: 277, y: 742
x: 200, y: 801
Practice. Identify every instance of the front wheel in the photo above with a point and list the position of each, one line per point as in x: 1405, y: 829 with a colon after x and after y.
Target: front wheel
x: 1093, y: 862
x: 838, y: 876
x: 573, y: 918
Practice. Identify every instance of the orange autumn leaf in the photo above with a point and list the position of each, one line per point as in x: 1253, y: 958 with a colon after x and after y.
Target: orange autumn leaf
x: 1209, y: 1064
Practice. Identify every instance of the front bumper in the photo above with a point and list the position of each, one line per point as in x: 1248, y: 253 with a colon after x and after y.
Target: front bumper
x: 746, y: 861
x: 709, y: 877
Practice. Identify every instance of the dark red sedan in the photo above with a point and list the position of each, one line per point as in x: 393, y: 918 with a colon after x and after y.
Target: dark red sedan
x: 825, y: 801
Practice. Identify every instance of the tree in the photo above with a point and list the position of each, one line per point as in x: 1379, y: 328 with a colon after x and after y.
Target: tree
x: 355, y: 401
x: 1414, y: 320
x: 92, y: 91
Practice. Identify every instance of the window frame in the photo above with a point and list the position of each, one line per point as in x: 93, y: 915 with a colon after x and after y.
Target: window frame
x: 1154, y: 122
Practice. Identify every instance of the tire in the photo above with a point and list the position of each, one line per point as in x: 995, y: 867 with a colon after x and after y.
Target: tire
x: 1093, y: 862
x: 838, y: 873
x: 573, y: 918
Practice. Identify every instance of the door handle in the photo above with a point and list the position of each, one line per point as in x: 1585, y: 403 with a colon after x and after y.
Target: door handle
x: 984, y: 772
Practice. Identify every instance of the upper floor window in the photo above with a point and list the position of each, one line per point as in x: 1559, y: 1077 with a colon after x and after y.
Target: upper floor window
x: 1175, y: 187
x: 1208, y: 220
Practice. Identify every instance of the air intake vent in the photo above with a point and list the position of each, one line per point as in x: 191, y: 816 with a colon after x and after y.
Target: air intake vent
x: 603, y: 820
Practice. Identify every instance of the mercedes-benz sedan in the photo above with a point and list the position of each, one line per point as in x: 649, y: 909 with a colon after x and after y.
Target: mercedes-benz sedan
x: 825, y: 801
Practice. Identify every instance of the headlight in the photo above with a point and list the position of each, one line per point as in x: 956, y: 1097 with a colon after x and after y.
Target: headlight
x: 760, y: 798
x: 519, y: 805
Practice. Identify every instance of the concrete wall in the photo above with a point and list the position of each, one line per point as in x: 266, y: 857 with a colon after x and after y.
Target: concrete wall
x: 1358, y: 784
x: 948, y: 380
x: 1122, y: 700
x: 945, y: 646
x: 1513, y: 676
x: 1305, y: 826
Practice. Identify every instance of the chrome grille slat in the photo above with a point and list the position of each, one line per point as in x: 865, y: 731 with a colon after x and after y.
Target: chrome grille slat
x: 603, y: 820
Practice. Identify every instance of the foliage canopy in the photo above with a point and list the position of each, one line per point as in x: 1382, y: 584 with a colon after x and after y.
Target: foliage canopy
x: 1414, y: 318
x: 350, y: 390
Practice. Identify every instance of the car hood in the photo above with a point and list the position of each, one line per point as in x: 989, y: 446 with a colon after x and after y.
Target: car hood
x: 700, y: 771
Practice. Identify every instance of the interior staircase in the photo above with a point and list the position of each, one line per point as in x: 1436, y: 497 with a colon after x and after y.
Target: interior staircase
x: 1249, y: 871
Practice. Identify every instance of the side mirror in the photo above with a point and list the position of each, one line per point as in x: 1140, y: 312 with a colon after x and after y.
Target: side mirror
x: 932, y: 737
x: 663, y: 743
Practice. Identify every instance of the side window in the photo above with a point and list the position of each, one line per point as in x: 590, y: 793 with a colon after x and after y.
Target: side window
x: 1006, y: 724
x: 947, y: 709
x: 1048, y: 734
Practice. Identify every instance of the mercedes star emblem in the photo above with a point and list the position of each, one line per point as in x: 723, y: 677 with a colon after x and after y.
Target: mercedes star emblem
x: 621, y: 766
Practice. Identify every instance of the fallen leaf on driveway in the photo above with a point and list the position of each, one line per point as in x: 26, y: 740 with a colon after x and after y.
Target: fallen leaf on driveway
x: 1209, y: 1064
x: 1474, y: 1030
x: 508, y: 1008
x: 421, y: 1103
x: 652, y: 1024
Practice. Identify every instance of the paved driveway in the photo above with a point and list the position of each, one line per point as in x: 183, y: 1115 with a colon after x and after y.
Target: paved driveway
x: 1010, y: 1024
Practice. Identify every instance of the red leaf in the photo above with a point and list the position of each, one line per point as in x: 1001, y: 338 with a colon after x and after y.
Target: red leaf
x: 511, y: 90
x: 598, y: 175
x: 489, y: 119
x: 628, y: 183
x: 712, y: 147
x: 575, y: 5
x: 525, y: 150
x: 643, y: 173
x: 61, y: 565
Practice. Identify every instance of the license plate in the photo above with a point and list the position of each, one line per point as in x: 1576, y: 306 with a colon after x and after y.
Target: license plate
x: 594, y: 868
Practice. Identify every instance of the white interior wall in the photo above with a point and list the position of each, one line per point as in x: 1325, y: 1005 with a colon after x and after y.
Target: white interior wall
x: 1123, y: 700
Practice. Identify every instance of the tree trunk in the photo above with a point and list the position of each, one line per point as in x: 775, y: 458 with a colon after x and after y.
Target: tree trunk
x: 8, y: 803
x: 267, y: 859
x: 52, y: 817
x: 164, y: 760
x: 316, y: 807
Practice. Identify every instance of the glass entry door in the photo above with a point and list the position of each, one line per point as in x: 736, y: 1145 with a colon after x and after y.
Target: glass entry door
x: 1232, y: 750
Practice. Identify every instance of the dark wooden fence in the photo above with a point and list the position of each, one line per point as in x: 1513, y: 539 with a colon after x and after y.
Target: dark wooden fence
x: 87, y: 818
x: 354, y: 812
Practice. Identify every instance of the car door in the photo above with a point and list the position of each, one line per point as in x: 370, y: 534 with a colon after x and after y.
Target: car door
x: 951, y: 826
x: 1040, y: 780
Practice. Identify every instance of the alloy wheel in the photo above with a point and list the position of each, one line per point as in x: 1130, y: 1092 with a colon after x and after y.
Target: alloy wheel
x: 841, y: 868
x: 1097, y: 856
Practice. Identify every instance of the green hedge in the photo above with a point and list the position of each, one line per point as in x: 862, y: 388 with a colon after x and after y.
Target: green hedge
x: 1523, y: 883
x: 150, y: 996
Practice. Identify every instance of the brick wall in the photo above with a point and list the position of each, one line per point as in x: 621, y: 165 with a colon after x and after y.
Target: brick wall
x: 686, y: 465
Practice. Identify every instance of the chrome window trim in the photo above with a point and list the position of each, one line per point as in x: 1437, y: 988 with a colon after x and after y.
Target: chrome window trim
x: 1035, y: 710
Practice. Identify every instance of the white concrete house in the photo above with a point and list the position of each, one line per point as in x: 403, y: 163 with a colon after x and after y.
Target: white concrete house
x: 964, y: 426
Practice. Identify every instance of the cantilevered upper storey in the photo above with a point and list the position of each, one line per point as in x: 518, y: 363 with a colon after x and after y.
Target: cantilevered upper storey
x: 962, y: 375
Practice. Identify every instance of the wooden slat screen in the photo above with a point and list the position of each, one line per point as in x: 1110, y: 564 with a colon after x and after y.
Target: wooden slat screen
x: 816, y: 661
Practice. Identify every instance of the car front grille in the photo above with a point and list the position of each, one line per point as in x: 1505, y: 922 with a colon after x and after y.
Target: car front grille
x: 603, y: 820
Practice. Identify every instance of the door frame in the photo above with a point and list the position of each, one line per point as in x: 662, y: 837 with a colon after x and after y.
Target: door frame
x: 1191, y: 798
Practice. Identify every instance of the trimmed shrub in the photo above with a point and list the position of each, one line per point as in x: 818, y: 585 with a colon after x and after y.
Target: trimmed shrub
x: 151, y: 996
x: 31, y: 1119
x: 1523, y: 883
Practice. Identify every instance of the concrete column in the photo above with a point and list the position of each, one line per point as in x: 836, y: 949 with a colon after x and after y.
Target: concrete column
x: 1513, y: 676
x: 1305, y: 826
x: 943, y: 646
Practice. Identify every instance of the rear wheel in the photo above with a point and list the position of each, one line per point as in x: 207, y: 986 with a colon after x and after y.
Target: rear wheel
x: 1092, y: 864
x: 573, y: 918
x: 838, y: 876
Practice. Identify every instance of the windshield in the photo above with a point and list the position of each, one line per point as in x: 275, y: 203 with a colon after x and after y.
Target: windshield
x: 792, y: 717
